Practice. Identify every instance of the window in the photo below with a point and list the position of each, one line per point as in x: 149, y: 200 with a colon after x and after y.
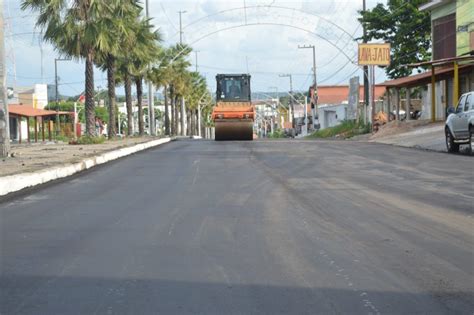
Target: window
x: 468, y: 102
x: 233, y: 88
x: 444, y: 37
x: 461, y: 104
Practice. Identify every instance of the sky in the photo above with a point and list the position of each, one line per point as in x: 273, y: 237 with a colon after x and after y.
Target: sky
x: 260, y: 37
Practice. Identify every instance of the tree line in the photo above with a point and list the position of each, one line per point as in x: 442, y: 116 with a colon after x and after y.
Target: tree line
x: 116, y: 37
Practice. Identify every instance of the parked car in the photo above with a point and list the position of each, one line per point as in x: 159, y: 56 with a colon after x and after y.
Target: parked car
x: 460, y: 123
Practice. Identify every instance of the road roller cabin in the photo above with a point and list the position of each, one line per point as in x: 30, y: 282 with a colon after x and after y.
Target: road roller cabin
x: 234, y: 113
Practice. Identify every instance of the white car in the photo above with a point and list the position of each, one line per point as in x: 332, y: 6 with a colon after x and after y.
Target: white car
x: 460, y: 123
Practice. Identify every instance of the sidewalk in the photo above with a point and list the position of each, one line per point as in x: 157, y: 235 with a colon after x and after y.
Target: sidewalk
x: 414, y: 134
x: 34, y: 164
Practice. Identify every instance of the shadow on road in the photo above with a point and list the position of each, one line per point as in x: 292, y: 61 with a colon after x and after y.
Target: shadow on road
x: 84, y: 295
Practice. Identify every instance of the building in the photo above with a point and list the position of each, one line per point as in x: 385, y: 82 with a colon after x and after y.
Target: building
x: 35, y: 96
x: 331, y: 115
x: 333, y: 103
x: 337, y: 94
x: 452, y: 33
x: 452, y: 27
x: 452, y: 66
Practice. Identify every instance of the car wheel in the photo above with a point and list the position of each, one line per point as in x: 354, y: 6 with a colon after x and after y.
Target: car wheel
x: 450, y: 144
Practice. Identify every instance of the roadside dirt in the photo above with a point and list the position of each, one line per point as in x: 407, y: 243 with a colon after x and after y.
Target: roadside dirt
x: 397, y: 127
x: 34, y: 157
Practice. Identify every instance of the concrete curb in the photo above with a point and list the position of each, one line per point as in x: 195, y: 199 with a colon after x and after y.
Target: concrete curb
x: 12, y: 183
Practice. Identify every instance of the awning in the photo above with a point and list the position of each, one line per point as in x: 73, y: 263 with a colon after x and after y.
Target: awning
x: 425, y: 77
x: 28, y: 111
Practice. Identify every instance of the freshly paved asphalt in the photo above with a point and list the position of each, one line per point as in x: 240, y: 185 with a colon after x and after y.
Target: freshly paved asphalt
x: 263, y: 227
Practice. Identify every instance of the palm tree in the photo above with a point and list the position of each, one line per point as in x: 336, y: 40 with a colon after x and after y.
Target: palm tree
x: 145, y: 51
x: 131, y: 65
x: 75, y: 30
x: 124, y: 77
x: 160, y: 76
x: 178, y: 82
x: 124, y: 14
x: 197, y: 93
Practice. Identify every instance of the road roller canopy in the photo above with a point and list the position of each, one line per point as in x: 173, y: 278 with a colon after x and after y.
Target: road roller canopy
x: 233, y: 87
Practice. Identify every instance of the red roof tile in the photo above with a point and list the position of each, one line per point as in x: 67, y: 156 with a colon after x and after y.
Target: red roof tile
x: 28, y: 111
x: 336, y: 94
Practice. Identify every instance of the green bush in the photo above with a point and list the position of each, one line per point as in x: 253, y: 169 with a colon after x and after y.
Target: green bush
x: 100, y: 112
x: 346, y: 129
x: 279, y: 133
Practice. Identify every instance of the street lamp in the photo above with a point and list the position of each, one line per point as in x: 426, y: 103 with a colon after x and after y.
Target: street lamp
x: 57, y: 91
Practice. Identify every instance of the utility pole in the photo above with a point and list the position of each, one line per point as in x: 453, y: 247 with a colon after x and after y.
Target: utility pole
x: 314, y: 105
x: 314, y: 68
x: 57, y: 90
x: 196, y: 54
x: 183, y: 111
x: 290, y: 105
x: 151, y: 98
x: 199, y: 119
x: 4, y: 126
x: 305, y: 116
x: 181, y: 26
x: 366, y: 71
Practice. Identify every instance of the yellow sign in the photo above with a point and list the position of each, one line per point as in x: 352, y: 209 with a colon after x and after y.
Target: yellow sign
x: 374, y: 54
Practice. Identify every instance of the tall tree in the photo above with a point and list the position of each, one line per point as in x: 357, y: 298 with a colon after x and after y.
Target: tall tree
x: 124, y: 14
x: 179, y: 64
x: 160, y: 75
x: 405, y: 27
x: 131, y: 65
x: 144, y: 52
x: 196, y: 93
x: 75, y: 30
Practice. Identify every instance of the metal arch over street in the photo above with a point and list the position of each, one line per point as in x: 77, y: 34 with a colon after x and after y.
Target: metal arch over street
x: 268, y: 7
x: 266, y: 24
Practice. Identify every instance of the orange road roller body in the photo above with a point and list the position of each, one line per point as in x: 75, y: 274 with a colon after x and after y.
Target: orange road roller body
x: 234, y: 114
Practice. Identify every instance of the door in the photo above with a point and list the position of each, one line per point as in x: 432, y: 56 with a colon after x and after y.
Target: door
x: 464, y: 117
x: 456, y: 119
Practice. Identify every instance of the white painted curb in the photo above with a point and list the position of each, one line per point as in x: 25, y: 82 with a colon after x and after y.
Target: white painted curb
x: 17, y: 182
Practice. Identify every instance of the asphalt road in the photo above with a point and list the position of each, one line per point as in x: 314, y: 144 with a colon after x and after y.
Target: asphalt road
x: 263, y: 227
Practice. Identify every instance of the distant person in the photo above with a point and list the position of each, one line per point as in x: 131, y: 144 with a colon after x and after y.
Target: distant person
x: 234, y: 90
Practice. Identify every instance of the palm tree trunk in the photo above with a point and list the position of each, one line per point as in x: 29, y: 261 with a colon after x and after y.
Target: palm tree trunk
x: 173, y: 130
x: 139, y: 84
x: 196, y: 121
x: 176, y: 115
x: 112, y: 131
x: 183, y: 111
x: 89, y: 91
x: 190, y: 123
x: 172, y: 109
x: 128, y: 100
x: 167, y: 118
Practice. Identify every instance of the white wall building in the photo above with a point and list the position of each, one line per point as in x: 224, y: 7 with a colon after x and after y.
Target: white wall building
x: 331, y: 115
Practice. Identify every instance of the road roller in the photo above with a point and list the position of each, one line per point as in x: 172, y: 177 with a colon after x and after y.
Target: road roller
x: 234, y: 113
